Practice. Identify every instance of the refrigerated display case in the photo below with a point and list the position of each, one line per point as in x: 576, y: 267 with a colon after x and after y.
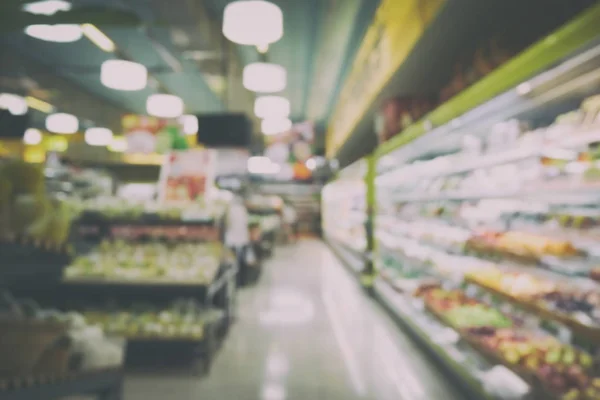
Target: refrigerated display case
x: 486, y: 237
x: 344, y: 214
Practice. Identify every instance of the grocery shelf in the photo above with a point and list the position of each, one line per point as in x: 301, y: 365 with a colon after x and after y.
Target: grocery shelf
x: 350, y: 256
x: 464, y: 364
x: 542, y: 55
x: 104, y: 384
x: 578, y: 327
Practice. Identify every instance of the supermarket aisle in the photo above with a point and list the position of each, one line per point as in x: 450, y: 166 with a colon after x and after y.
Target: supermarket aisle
x: 306, y: 331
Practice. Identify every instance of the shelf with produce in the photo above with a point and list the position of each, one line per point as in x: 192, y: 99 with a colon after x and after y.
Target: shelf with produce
x: 545, y: 300
x: 106, y: 384
x: 348, y: 252
x: 466, y: 366
x: 422, y: 268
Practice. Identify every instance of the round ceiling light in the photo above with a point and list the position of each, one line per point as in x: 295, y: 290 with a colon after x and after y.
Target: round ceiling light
x: 164, y: 106
x: 274, y: 126
x: 55, y: 33
x: 47, y: 7
x: 123, y: 75
x: 32, y: 137
x: 264, y: 77
x: 98, y: 136
x: 253, y: 22
x: 190, y: 124
x: 272, y: 107
x: 62, y: 123
x: 15, y: 104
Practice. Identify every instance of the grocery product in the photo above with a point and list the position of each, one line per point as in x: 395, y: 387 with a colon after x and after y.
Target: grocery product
x: 155, y: 261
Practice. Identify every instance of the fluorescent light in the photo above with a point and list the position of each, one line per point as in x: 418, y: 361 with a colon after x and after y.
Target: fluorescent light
x: 62, y: 123
x: 39, y: 105
x: 164, y: 106
x: 264, y: 77
x: 98, y: 37
x: 274, y: 126
x: 123, y: 75
x: 32, y: 137
x: 14, y: 103
x: 262, y: 166
x: 253, y: 22
x: 98, y: 136
x: 55, y: 33
x: 272, y: 107
x: 118, y: 144
x: 47, y: 7
x: 190, y: 124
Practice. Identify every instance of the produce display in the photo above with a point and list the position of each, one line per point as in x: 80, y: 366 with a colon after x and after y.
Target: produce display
x: 44, y: 341
x: 184, y: 320
x: 196, y: 263
x: 563, y: 299
x: 26, y: 209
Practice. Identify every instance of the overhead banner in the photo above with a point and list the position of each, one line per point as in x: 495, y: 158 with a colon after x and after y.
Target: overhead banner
x: 395, y: 30
x: 147, y: 135
x: 291, y: 150
x: 187, y: 175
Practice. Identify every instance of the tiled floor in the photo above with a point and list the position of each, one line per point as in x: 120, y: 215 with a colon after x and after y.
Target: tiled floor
x: 306, y: 331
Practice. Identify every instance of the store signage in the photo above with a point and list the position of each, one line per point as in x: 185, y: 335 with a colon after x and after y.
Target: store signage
x: 396, y: 28
x: 291, y: 150
x: 187, y: 175
x: 147, y: 135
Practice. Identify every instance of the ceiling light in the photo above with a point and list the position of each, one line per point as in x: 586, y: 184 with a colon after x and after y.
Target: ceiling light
x: 311, y: 164
x: 253, y: 22
x: 190, y: 124
x: 118, y: 144
x: 32, y: 137
x: 273, y: 126
x: 47, y: 7
x: 98, y: 37
x: 98, y: 136
x: 15, y: 104
x: 55, y: 33
x: 39, y: 105
x: 62, y: 123
x: 262, y: 165
x: 164, y: 106
x: 123, y: 75
x: 272, y: 107
x: 264, y: 77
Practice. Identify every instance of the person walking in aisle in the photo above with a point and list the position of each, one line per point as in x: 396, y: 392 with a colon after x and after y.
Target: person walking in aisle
x: 290, y: 222
x: 237, y: 236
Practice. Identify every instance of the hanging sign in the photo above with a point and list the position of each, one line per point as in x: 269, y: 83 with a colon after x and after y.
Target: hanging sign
x: 187, y: 175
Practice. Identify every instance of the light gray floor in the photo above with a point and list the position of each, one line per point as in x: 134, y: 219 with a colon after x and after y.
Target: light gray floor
x: 306, y: 331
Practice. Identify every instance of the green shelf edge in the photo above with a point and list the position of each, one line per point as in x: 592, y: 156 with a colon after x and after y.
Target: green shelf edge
x: 530, y: 62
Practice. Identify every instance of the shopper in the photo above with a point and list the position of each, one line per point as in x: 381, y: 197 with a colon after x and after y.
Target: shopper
x: 237, y: 237
x: 290, y: 222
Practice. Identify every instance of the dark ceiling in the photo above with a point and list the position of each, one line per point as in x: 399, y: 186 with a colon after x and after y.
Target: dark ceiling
x: 180, y: 41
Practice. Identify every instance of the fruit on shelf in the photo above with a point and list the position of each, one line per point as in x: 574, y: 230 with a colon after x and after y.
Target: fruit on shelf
x: 477, y: 315
x: 561, y: 368
x: 520, y: 244
x: 516, y: 284
x: 176, y: 322
x: 184, y: 262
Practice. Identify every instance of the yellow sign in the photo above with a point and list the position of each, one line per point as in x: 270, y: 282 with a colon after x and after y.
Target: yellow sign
x: 395, y: 30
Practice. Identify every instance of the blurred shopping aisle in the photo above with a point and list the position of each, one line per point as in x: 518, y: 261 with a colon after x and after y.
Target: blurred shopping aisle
x: 306, y: 331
